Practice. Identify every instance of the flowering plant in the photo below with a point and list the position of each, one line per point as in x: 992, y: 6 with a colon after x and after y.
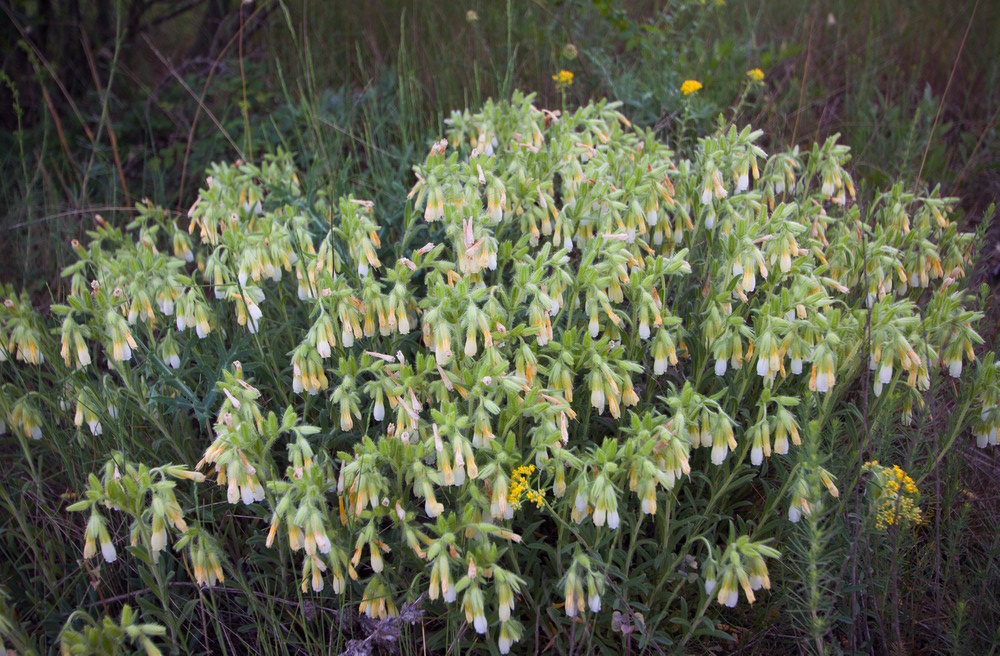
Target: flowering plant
x: 598, y: 350
x: 690, y: 86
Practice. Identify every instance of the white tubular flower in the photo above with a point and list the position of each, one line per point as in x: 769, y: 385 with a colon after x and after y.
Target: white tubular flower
x: 613, y: 519
x: 885, y: 373
x: 794, y: 514
x: 719, y: 452
x: 955, y: 368
x: 594, y: 601
x: 107, y: 548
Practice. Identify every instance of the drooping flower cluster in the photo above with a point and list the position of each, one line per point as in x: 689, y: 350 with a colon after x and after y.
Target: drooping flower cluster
x: 109, y: 636
x: 147, y: 495
x: 239, y: 441
x: 565, y: 305
x: 741, y: 565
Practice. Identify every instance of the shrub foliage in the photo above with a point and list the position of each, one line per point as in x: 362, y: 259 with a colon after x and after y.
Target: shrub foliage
x: 564, y: 400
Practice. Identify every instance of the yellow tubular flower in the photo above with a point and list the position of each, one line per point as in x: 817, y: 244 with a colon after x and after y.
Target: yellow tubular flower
x: 94, y: 525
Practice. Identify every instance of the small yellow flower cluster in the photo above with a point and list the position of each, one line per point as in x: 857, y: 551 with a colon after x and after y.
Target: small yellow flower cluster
x: 897, y: 499
x: 756, y: 75
x: 690, y: 86
x: 520, y: 488
x: 563, y: 78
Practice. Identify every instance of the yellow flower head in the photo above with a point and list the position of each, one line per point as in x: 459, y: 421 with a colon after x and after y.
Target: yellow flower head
x: 563, y: 78
x: 520, y: 487
x: 755, y: 75
x: 690, y: 86
x: 897, y: 498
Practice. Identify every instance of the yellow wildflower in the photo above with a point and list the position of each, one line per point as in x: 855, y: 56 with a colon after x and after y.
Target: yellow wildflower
x: 563, y: 78
x: 896, y: 498
x: 755, y: 75
x: 520, y: 488
x: 690, y: 86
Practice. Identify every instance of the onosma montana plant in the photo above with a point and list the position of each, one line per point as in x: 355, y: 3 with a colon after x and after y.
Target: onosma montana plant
x: 562, y: 398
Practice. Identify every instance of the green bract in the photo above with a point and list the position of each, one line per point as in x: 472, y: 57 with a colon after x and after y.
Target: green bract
x: 653, y: 335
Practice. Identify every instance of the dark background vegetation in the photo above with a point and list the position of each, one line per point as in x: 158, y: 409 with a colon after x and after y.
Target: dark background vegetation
x: 105, y: 102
